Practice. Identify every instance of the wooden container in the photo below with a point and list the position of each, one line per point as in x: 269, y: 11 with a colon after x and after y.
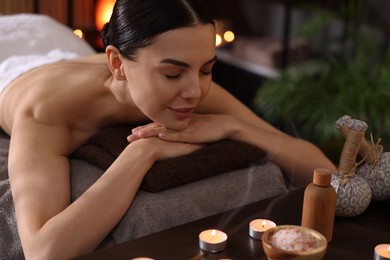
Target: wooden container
x: 276, y: 252
x: 319, y: 204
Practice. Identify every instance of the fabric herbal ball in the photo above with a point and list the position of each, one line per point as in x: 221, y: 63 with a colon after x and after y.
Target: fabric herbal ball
x: 353, y: 195
x: 378, y: 177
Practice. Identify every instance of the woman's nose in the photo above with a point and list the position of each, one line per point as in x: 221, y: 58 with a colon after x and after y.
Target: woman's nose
x: 192, y: 89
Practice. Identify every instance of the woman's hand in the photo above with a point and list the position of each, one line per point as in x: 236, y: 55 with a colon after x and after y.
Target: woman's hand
x: 160, y: 149
x: 201, y: 129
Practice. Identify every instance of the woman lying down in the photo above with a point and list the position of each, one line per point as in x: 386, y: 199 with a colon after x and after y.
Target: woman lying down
x: 157, y: 67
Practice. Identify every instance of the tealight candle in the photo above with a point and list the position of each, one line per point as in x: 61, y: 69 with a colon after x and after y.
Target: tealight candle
x: 258, y: 226
x: 212, y: 240
x: 382, y: 252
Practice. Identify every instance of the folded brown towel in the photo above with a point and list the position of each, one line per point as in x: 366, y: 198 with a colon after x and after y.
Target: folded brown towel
x: 216, y: 158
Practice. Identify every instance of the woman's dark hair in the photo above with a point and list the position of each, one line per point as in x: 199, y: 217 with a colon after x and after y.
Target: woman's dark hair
x: 135, y: 23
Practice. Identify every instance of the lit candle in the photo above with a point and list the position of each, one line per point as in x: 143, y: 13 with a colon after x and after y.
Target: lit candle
x: 212, y: 240
x: 382, y: 252
x: 258, y: 226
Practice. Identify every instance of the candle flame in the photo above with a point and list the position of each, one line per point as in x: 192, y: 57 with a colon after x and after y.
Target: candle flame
x: 214, y: 232
x: 264, y: 223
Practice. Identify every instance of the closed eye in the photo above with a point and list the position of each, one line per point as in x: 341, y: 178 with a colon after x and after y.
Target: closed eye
x: 206, y: 73
x: 175, y: 76
x: 207, y: 69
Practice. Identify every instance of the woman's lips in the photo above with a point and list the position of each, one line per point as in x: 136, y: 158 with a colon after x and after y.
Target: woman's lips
x: 182, y: 113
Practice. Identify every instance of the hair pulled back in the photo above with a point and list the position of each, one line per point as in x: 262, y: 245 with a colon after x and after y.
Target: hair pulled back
x: 135, y: 23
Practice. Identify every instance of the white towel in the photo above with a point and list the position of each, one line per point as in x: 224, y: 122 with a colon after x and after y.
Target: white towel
x: 28, y: 34
x: 14, y: 66
x: 30, y: 40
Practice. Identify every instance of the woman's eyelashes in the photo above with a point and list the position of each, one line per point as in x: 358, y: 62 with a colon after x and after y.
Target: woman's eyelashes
x: 173, y: 76
x: 178, y: 75
x: 206, y: 72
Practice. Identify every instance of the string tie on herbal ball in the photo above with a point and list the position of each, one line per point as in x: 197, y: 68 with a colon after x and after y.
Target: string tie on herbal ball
x: 344, y: 177
x: 377, y: 157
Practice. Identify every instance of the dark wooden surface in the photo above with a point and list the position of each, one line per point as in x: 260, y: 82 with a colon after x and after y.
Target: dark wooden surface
x: 354, y: 238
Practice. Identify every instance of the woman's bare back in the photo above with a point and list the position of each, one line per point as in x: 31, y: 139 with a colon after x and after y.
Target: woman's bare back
x: 69, y: 94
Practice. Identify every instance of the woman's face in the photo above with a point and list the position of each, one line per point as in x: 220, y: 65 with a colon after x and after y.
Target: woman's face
x: 172, y: 75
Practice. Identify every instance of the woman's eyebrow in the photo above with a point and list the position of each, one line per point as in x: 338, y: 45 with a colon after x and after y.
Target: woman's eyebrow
x: 183, y: 64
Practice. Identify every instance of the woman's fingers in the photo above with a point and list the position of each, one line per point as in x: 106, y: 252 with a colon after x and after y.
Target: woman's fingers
x: 149, y: 130
x: 132, y: 138
x: 201, y: 129
x: 181, y: 136
x: 139, y: 128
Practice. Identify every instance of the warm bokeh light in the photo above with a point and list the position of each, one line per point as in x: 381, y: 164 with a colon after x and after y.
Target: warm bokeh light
x: 103, y: 12
x: 218, y: 40
x: 228, y: 36
x: 78, y: 33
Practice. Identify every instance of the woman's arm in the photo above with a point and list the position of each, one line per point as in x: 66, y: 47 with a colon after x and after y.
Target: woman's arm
x: 297, y: 157
x: 223, y: 116
x: 50, y: 226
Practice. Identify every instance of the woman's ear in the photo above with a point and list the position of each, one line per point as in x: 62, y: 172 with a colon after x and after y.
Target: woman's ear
x: 115, y: 62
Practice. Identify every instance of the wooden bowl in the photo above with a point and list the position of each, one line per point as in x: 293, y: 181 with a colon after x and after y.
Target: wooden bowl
x: 274, y: 252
